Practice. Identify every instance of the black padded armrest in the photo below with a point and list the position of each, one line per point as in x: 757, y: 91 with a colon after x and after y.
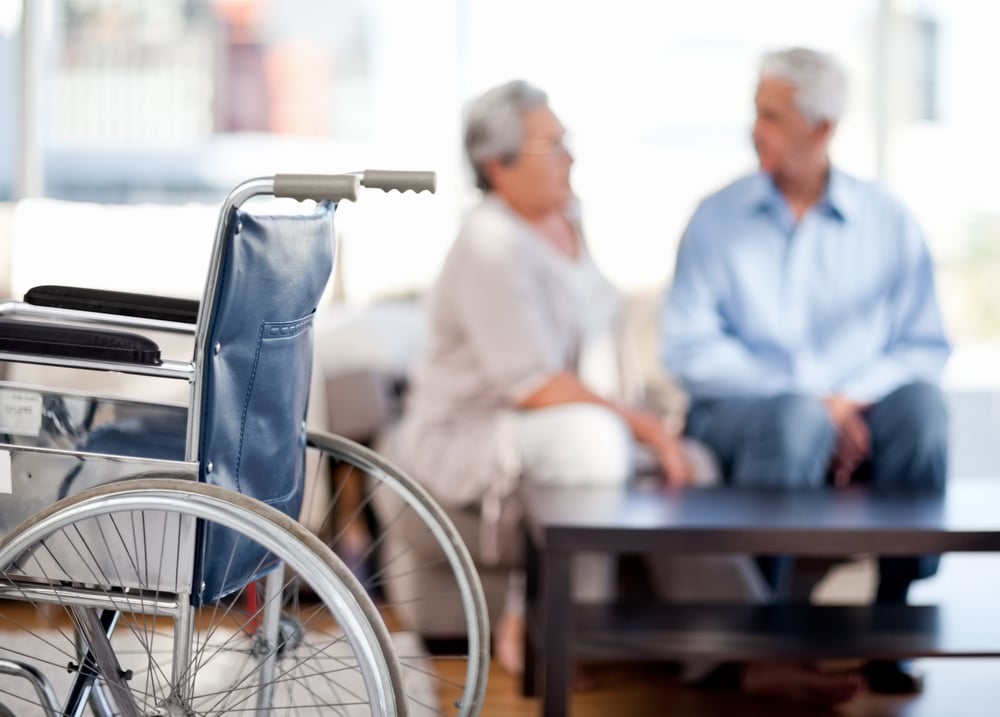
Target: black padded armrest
x: 119, y: 303
x: 41, y: 339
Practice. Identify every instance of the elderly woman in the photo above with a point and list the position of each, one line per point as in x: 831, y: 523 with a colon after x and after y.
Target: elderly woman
x: 499, y: 395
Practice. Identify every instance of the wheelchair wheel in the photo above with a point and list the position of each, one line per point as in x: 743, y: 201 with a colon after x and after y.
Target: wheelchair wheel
x: 86, y: 611
x: 457, y: 668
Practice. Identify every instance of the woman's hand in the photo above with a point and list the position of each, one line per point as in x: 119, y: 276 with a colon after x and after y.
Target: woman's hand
x: 676, y: 467
x: 646, y: 427
x: 649, y: 429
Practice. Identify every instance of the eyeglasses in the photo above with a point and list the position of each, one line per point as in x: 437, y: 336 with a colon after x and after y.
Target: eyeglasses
x: 545, y: 146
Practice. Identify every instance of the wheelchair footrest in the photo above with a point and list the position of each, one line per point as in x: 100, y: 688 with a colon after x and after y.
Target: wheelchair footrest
x: 43, y: 339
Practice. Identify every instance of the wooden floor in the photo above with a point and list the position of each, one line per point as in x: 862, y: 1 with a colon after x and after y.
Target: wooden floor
x: 954, y: 688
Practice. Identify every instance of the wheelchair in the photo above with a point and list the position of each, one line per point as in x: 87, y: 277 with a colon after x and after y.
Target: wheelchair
x: 151, y: 562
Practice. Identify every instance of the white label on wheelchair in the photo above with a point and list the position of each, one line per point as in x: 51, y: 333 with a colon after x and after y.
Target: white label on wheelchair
x: 20, y: 413
x: 5, y: 482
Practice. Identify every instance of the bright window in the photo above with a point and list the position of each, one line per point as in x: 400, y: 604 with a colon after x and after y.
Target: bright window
x: 180, y: 99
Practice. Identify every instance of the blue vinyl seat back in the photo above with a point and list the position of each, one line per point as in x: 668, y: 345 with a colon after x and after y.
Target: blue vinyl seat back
x: 256, y: 375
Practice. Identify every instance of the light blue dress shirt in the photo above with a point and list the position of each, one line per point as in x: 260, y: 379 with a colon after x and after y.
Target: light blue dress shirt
x: 840, y: 302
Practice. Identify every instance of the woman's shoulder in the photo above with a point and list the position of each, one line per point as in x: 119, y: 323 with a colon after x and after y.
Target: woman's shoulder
x: 490, y: 231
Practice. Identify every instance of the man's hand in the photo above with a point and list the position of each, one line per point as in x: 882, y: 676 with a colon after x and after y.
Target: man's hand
x: 853, y: 437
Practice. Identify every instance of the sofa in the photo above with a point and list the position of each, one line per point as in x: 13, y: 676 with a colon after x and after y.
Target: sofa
x: 365, y: 355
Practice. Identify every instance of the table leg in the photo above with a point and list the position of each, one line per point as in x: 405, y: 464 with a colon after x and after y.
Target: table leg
x: 554, y: 638
x: 529, y: 679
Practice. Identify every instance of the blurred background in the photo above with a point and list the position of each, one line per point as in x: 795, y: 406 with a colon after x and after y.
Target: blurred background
x: 173, y: 101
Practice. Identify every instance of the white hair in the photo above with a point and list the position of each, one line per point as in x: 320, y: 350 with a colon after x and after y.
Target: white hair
x: 493, y: 126
x: 819, y: 81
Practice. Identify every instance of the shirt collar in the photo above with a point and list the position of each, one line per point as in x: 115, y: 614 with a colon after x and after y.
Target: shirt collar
x: 838, y: 199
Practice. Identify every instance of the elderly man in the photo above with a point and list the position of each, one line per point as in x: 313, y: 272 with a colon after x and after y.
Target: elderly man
x: 802, y: 320
x: 500, y: 395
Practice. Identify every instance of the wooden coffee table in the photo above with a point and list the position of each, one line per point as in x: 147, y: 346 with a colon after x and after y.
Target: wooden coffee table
x: 561, y: 522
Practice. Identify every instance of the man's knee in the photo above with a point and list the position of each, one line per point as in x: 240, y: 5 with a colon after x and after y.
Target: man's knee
x: 799, y: 417
x: 916, y: 410
x: 794, y: 441
x: 910, y: 436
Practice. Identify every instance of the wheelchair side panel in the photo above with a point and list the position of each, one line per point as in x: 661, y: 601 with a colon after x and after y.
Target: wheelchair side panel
x: 77, y: 442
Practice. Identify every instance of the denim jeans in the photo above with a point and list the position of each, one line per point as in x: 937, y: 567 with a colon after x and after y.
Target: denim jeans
x: 788, y: 441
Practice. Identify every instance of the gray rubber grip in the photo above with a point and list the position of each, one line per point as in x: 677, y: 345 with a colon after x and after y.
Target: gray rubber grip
x: 388, y: 179
x: 329, y: 187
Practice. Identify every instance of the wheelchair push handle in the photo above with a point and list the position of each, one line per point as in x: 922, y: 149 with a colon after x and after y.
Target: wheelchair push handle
x: 387, y: 180
x: 337, y: 187
x: 329, y: 187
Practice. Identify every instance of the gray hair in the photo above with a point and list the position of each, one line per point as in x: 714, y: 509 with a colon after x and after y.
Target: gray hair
x: 493, y: 127
x: 820, y: 82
